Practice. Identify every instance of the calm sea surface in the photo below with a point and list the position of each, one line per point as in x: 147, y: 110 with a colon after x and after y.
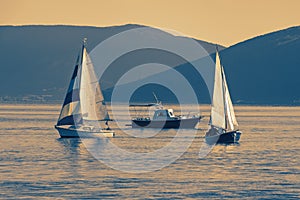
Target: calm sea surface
x: 35, y: 163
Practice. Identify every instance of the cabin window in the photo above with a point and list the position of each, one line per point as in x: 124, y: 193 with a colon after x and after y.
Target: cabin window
x: 161, y: 114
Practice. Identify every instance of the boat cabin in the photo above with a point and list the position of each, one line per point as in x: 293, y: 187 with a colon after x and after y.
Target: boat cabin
x: 159, y: 113
x: 162, y: 118
x: 162, y: 114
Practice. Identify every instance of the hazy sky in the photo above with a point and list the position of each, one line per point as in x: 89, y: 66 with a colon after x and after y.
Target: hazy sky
x: 220, y: 21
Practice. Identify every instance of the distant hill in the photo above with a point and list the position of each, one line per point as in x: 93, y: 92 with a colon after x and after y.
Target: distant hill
x: 37, y: 61
x: 265, y: 69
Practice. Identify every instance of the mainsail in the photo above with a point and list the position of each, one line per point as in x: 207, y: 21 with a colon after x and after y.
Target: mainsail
x: 218, y: 107
x: 222, y: 113
x: 84, y: 100
x: 92, y: 102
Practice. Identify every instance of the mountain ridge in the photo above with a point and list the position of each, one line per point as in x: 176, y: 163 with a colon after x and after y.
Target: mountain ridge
x: 260, y: 70
x: 45, y: 53
x: 265, y: 67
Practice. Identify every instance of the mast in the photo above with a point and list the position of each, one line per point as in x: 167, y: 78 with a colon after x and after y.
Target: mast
x: 222, y: 112
x: 226, y: 117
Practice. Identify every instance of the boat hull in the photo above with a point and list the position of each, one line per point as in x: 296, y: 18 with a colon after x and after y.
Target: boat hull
x: 166, y: 124
x: 225, y: 138
x: 73, y: 133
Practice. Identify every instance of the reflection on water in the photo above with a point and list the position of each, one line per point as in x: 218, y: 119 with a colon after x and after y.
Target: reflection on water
x: 35, y: 163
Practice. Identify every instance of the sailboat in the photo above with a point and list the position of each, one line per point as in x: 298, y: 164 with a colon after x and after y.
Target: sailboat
x: 223, y: 123
x: 84, y: 106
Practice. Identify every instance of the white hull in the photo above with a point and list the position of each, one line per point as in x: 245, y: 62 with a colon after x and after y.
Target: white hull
x: 83, y: 132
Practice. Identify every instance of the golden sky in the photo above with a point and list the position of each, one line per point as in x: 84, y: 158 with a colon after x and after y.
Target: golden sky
x: 219, y: 21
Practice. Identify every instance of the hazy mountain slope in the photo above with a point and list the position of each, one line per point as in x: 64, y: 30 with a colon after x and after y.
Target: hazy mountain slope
x: 265, y: 69
x: 40, y: 59
x: 262, y: 70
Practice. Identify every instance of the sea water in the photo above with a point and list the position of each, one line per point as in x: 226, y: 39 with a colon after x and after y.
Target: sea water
x: 36, y: 163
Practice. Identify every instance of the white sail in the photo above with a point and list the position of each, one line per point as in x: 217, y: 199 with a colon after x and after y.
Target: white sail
x: 232, y: 122
x: 218, y: 107
x: 91, y: 98
x: 223, y: 127
x: 71, y: 111
x: 84, y: 104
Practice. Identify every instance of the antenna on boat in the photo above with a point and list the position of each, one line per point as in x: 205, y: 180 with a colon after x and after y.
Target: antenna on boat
x: 84, y: 41
x: 158, y: 103
x: 155, y: 98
